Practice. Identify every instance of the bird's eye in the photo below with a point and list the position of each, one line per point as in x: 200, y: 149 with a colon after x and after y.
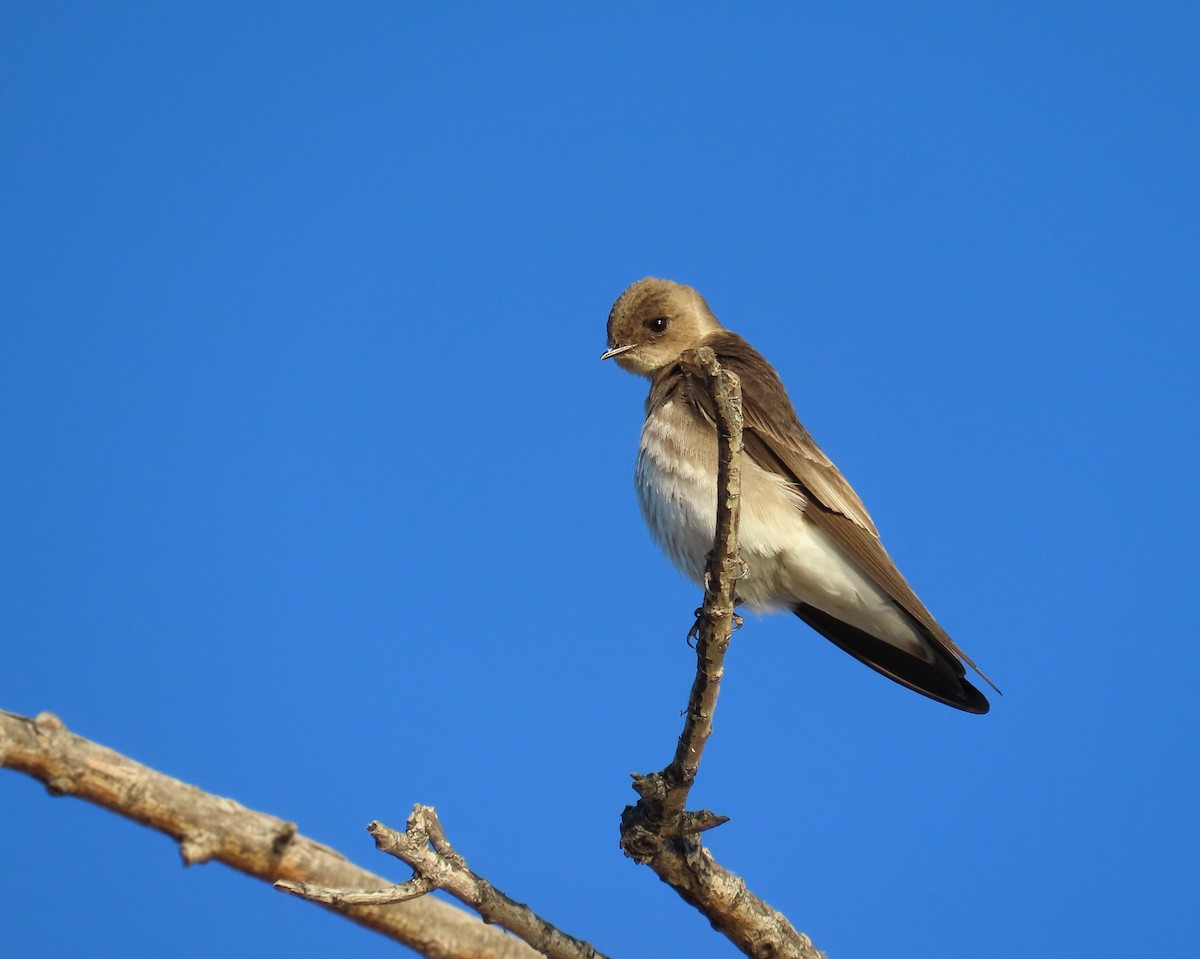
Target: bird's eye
x: 657, y: 325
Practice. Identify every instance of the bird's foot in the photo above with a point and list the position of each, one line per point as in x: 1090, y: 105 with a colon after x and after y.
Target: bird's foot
x: 741, y: 571
x: 694, y: 632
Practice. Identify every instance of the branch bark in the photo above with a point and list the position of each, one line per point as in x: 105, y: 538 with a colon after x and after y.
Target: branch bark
x: 436, y: 865
x: 209, y: 827
x: 658, y: 830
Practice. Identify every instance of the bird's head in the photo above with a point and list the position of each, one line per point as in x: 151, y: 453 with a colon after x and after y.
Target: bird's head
x: 653, y: 322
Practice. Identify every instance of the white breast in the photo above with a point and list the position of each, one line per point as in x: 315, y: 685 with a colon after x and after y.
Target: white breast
x: 789, y: 560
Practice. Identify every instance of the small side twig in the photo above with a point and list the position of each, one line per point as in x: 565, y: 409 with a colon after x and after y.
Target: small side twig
x: 658, y: 830
x: 436, y: 865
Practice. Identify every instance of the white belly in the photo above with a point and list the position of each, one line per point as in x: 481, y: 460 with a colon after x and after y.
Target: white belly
x: 789, y: 559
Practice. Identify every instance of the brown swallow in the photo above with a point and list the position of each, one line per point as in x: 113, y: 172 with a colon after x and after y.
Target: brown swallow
x: 805, y: 537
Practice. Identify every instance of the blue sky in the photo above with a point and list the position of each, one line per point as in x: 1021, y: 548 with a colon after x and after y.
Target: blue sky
x: 315, y: 495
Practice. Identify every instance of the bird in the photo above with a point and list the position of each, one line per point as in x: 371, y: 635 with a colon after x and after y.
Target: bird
x: 806, y: 540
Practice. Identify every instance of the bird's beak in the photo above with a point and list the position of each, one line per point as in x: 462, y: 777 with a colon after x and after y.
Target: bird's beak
x: 608, y: 354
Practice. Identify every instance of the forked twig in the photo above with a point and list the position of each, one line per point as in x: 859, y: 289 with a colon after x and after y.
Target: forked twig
x: 436, y: 865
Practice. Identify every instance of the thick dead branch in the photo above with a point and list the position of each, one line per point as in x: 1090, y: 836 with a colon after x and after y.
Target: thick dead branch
x: 658, y: 831
x: 436, y: 865
x: 209, y: 827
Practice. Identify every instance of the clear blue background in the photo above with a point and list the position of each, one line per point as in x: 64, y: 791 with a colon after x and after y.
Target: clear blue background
x: 314, y: 494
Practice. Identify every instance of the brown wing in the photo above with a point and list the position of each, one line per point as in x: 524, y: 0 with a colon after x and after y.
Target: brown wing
x: 775, y: 439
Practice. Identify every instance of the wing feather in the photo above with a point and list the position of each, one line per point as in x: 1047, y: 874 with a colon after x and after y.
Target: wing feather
x: 775, y: 439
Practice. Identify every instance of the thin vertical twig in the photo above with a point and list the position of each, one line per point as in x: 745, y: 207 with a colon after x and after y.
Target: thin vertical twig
x: 658, y: 830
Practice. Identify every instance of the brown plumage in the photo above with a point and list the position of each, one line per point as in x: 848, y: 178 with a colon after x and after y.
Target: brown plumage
x: 807, y: 539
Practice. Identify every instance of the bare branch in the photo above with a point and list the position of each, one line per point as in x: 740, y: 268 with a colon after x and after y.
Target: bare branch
x: 658, y: 831
x: 209, y: 827
x: 436, y: 865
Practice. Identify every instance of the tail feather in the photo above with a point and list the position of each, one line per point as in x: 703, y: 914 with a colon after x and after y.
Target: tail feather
x: 944, y: 680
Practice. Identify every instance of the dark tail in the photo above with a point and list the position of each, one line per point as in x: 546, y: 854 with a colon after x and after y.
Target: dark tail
x: 943, y: 680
